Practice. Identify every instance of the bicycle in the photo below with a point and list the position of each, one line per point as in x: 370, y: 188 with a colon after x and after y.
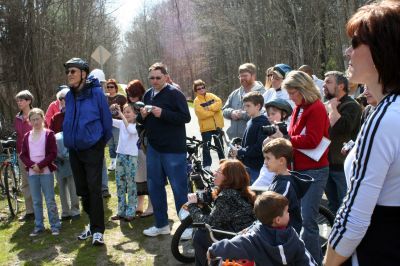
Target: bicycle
x: 9, y: 179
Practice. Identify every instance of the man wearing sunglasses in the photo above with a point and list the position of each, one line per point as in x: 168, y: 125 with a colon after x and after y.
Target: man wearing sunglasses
x: 164, y: 119
x: 87, y: 128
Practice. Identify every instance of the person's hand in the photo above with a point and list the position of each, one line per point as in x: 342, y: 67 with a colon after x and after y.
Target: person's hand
x: 118, y: 108
x: 143, y: 112
x: 36, y: 169
x: 207, y: 108
x: 234, y: 115
x: 334, y: 103
x: 156, y: 111
x: 192, y: 198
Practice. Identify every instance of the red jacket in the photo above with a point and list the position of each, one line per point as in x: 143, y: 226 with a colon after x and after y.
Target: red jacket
x: 56, y: 122
x: 51, y: 152
x: 306, y: 132
x: 53, y: 108
x: 21, y: 126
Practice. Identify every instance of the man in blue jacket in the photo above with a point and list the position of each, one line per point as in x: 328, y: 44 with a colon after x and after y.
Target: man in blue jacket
x: 164, y: 122
x: 87, y: 128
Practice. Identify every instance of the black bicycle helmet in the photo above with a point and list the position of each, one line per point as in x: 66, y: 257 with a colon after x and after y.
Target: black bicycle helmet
x: 78, y: 63
x: 280, y: 104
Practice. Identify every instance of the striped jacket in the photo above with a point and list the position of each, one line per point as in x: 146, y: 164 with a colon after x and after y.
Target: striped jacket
x: 372, y: 171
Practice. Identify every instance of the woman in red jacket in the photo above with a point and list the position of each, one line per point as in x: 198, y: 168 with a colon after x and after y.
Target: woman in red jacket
x: 309, y: 124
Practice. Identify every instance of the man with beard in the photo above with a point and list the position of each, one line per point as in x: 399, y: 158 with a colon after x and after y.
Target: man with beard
x: 233, y: 108
x: 344, y: 116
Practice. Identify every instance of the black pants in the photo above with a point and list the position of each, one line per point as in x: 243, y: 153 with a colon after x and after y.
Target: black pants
x: 201, y: 243
x: 86, y: 167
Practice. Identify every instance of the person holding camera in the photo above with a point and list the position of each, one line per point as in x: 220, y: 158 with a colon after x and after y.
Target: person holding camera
x: 207, y: 107
x: 250, y: 151
x: 164, y: 118
x: 233, y: 206
x: 278, y: 111
x: 114, y: 98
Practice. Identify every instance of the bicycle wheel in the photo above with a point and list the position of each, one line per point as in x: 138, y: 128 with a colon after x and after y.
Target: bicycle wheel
x: 3, y: 197
x: 10, y: 185
x: 182, y: 249
x: 325, y: 222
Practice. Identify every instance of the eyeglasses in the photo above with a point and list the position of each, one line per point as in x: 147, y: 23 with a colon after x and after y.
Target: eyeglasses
x: 110, y: 87
x: 72, y: 71
x: 61, y: 98
x: 157, y: 78
x: 200, y: 88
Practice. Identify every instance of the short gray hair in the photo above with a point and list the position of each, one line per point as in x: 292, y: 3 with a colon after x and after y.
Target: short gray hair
x: 62, y: 93
x: 340, y: 79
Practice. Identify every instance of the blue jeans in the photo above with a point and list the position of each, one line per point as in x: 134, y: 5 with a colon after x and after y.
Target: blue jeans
x: 336, y: 189
x: 104, y: 176
x: 253, y: 173
x: 159, y: 166
x: 45, y: 184
x: 309, y: 211
x: 206, y: 137
x: 113, y: 143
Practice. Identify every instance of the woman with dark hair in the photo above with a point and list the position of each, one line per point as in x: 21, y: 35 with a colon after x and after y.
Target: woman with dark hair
x: 367, y: 224
x: 113, y: 98
x: 233, y: 206
x: 134, y: 93
x: 309, y: 125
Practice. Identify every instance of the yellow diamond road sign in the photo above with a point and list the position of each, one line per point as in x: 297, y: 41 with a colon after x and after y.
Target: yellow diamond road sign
x: 101, y: 55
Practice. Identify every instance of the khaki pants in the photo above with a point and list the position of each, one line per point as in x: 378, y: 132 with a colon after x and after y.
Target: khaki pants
x: 25, y: 188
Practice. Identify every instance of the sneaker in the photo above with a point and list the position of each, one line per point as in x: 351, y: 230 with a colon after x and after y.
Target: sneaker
x: 155, y: 231
x: 85, y: 234
x: 27, y: 217
x: 117, y: 217
x: 187, y: 234
x: 55, y: 231
x: 98, y: 239
x: 36, y: 232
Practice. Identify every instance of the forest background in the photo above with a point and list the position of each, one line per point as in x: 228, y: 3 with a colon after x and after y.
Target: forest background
x: 205, y: 39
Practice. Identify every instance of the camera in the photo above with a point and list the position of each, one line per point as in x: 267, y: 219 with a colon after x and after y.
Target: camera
x: 347, y: 146
x: 271, y: 129
x: 114, y: 110
x: 208, y: 103
x: 138, y: 105
x: 204, y: 197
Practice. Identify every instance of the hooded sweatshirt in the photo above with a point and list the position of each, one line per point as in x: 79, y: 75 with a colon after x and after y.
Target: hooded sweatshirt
x: 293, y: 187
x: 265, y: 246
x: 251, y: 152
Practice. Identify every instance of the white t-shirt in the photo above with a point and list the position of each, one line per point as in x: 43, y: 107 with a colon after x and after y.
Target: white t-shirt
x: 128, y: 138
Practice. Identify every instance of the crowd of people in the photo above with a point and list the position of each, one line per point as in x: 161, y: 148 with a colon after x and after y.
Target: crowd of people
x: 292, y: 131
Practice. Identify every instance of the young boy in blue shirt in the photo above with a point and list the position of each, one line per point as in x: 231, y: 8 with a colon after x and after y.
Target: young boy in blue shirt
x: 267, y: 242
x: 250, y: 152
x: 278, y: 155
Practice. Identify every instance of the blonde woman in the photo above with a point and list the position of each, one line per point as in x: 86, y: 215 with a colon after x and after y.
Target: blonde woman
x: 309, y: 124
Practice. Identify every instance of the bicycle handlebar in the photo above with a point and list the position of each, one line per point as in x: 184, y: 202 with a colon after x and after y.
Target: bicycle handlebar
x: 212, y: 231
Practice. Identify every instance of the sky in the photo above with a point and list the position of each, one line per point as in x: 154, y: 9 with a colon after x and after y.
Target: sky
x: 124, y: 11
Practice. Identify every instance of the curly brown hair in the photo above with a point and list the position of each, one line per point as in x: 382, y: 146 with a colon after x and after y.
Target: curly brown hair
x: 236, y: 177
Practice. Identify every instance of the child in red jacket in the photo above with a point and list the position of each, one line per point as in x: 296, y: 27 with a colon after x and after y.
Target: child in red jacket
x: 38, y: 153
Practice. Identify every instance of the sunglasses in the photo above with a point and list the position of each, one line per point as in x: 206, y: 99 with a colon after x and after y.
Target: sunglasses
x: 200, y: 88
x: 61, y: 98
x: 356, y: 41
x: 110, y: 87
x: 157, y: 78
x: 72, y: 71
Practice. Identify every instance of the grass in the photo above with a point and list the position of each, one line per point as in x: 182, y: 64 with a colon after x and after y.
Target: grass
x: 125, y: 243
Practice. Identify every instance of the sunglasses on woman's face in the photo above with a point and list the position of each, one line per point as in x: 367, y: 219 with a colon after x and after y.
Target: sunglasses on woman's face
x: 110, y: 87
x: 200, y: 88
x: 61, y: 98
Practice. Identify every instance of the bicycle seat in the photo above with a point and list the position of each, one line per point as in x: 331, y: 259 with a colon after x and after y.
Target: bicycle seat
x: 10, y: 143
